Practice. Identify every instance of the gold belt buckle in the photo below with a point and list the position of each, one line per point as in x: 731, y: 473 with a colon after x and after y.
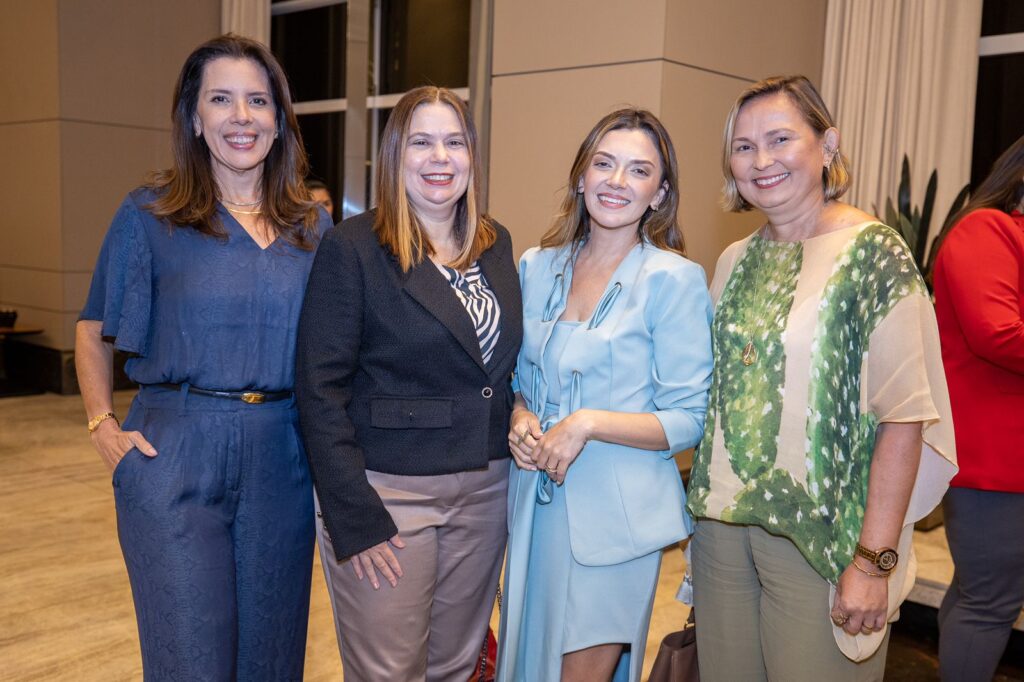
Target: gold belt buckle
x: 253, y: 397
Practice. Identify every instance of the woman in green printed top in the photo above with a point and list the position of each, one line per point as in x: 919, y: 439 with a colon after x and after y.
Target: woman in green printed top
x: 828, y: 430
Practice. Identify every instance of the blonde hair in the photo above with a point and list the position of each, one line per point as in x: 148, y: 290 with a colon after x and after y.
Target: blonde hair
x: 396, y: 224
x: 660, y: 227
x: 835, y: 178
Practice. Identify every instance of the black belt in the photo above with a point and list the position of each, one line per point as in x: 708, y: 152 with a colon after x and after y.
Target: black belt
x: 251, y: 397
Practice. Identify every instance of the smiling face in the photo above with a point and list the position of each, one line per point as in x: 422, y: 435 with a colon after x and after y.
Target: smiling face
x: 776, y: 157
x: 623, y: 180
x: 436, y: 164
x: 236, y: 116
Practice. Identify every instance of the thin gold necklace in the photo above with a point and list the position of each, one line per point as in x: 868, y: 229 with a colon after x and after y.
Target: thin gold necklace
x: 749, y: 355
x: 237, y: 203
x: 235, y: 210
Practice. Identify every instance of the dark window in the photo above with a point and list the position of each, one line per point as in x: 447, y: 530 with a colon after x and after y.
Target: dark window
x: 311, y: 47
x: 997, y: 116
x: 324, y: 137
x: 425, y: 42
x: 1002, y: 16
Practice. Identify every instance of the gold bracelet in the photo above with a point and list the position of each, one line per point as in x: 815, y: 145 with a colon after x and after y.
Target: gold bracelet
x: 95, y: 422
x: 867, y: 572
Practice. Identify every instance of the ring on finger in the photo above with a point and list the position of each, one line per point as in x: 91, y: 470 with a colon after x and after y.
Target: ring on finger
x: 522, y: 437
x: 840, y: 619
x: 551, y: 470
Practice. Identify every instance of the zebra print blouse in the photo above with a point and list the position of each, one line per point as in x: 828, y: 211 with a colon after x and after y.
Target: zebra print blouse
x: 480, y: 302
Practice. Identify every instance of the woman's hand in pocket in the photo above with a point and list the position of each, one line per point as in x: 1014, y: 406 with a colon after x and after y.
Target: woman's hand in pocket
x: 112, y: 443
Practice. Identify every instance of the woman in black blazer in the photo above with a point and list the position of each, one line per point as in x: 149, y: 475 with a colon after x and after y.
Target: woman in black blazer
x: 407, y: 340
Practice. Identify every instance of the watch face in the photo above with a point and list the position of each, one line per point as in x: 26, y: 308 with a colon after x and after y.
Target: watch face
x: 887, y: 560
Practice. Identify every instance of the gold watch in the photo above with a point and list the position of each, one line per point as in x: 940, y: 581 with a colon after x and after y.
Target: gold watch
x: 885, y: 558
x: 95, y: 422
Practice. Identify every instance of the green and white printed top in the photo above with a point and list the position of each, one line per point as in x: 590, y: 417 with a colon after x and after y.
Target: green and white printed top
x: 815, y: 343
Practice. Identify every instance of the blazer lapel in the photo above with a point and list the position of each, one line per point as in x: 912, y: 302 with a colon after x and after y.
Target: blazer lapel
x: 504, y: 282
x: 430, y: 289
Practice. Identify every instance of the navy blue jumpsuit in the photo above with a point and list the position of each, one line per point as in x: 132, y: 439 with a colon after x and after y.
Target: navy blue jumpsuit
x: 217, y: 529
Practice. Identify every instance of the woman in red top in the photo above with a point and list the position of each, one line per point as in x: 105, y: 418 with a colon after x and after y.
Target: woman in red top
x: 979, y: 302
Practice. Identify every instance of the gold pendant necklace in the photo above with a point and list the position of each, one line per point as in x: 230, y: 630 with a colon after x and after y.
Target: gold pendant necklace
x: 749, y: 354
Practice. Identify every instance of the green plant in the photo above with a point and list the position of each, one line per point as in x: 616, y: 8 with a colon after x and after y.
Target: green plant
x: 913, y: 223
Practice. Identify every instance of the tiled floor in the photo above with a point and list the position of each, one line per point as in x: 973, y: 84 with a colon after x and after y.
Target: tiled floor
x: 66, y: 610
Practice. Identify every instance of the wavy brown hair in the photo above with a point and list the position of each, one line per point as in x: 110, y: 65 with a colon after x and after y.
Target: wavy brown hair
x: 187, y: 192
x: 835, y: 178
x: 396, y: 224
x: 1003, y: 187
x: 660, y: 227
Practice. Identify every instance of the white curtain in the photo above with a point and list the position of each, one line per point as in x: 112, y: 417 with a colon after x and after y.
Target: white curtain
x: 899, y: 77
x: 250, y: 18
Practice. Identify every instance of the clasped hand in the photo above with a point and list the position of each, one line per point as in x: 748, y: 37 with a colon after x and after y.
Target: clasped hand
x: 553, y: 451
x: 862, y: 602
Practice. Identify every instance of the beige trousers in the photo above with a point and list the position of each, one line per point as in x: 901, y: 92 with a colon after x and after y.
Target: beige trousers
x: 763, y: 612
x: 430, y: 627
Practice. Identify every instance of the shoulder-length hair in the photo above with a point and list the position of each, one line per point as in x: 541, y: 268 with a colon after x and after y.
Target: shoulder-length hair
x: 835, y: 178
x: 397, y: 227
x: 1003, y: 187
x: 187, y: 192
x: 659, y: 227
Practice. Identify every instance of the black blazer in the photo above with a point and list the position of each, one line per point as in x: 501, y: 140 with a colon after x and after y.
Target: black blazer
x: 390, y: 377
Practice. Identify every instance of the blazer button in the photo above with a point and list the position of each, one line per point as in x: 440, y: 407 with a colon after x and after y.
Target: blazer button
x: 487, y: 392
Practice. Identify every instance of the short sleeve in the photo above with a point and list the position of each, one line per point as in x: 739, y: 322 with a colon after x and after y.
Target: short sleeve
x: 121, y: 292
x: 907, y: 383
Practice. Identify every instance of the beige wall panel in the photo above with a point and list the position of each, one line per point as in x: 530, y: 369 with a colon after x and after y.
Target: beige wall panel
x: 29, y: 195
x: 75, y: 289
x: 101, y: 164
x: 694, y: 107
x: 36, y: 288
x: 28, y: 55
x: 119, y: 59
x: 531, y: 35
x: 537, y: 124
x: 749, y: 39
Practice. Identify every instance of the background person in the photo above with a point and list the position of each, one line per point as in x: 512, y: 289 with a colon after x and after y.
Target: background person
x: 979, y: 302
x: 407, y: 341
x: 201, y: 278
x: 321, y: 195
x: 826, y: 380
x: 612, y: 380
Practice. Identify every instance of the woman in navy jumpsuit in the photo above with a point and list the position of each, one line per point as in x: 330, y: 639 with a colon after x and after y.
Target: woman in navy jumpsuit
x: 201, y: 279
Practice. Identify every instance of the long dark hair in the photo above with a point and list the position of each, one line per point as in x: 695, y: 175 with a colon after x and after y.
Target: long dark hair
x: 660, y: 227
x: 396, y: 224
x: 187, y: 191
x: 1003, y: 188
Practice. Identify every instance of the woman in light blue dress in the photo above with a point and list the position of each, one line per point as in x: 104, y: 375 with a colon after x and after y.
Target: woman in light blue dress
x: 612, y: 379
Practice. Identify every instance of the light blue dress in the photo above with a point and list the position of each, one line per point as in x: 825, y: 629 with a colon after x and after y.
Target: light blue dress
x: 583, y: 558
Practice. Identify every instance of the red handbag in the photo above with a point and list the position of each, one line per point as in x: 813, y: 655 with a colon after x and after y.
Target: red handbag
x: 485, y: 665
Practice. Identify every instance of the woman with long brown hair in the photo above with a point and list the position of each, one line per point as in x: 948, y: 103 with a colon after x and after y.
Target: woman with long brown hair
x: 611, y: 381
x: 200, y: 280
x: 407, y: 341
x: 979, y: 303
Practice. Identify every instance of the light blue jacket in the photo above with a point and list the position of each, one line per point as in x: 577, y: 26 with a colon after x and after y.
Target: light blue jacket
x: 646, y: 348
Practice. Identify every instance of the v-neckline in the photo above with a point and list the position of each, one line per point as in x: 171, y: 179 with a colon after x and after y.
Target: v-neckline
x: 246, y: 232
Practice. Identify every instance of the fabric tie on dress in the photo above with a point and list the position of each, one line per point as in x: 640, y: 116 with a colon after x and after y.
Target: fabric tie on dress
x: 545, y: 485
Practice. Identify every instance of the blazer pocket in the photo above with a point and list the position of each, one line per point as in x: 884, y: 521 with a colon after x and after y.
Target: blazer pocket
x: 411, y: 413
